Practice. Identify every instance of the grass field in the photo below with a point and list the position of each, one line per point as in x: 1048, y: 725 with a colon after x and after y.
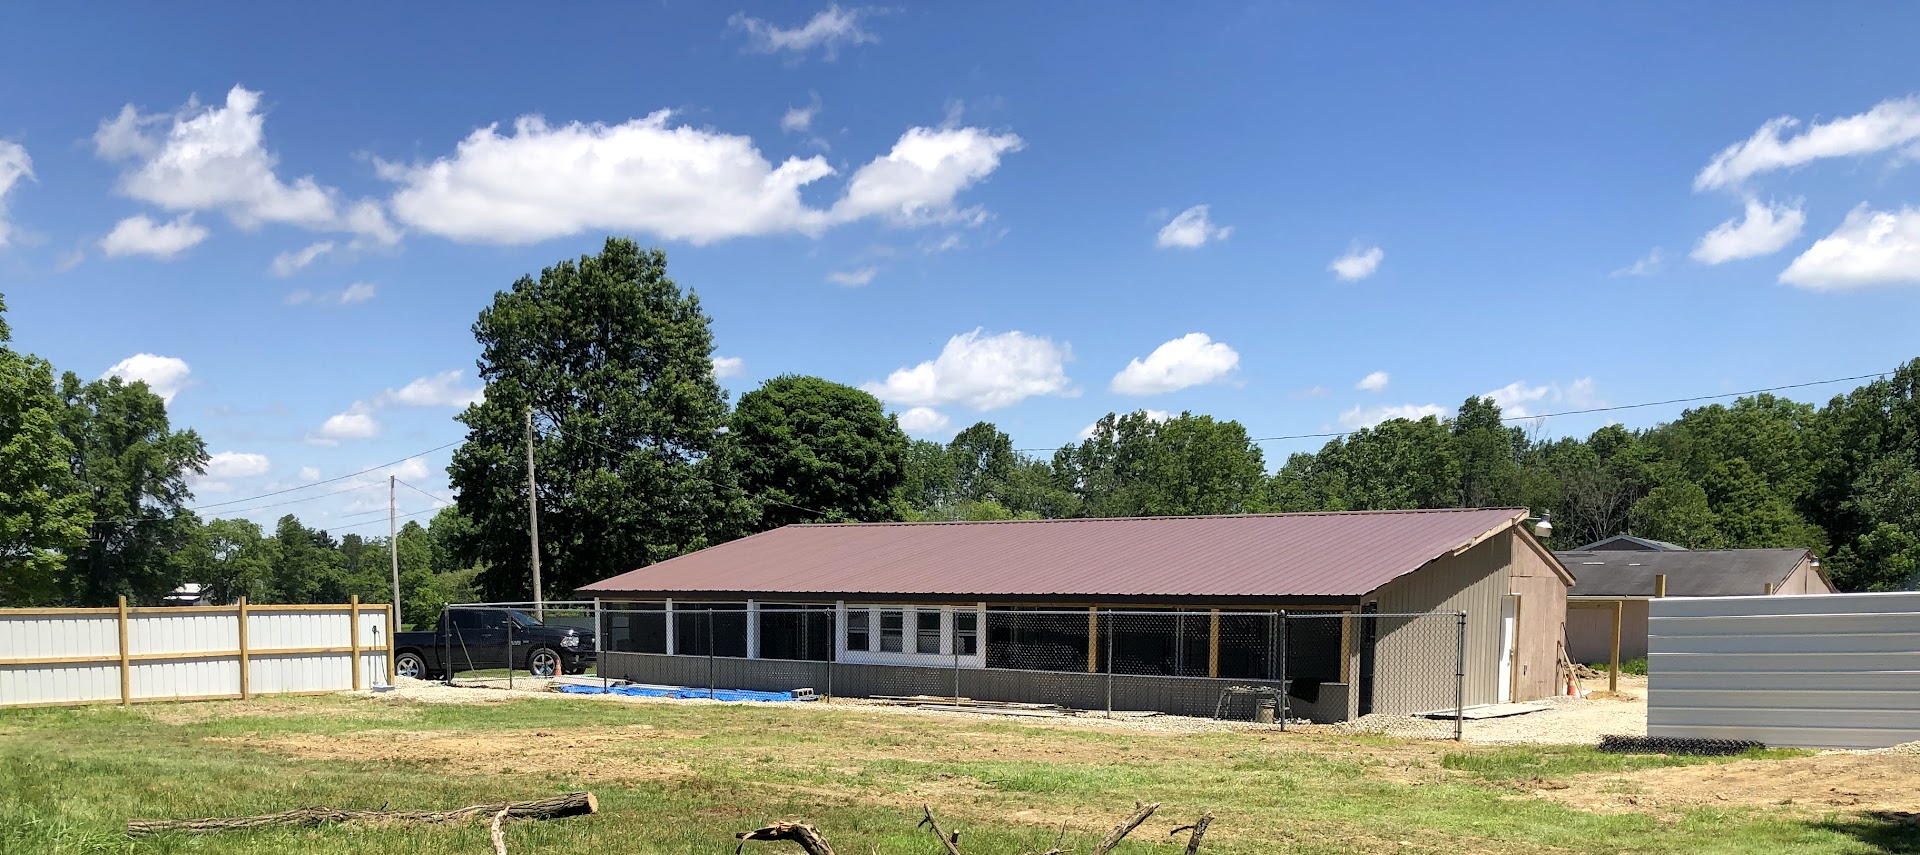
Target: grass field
x: 684, y: 777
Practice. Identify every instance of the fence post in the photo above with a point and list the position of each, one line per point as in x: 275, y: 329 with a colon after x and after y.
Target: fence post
x: 953, y: 645
x: 710, y: 686
x: 246, y: 686
x: 509, y: 617
x: 1285, y: 689
x: 353, y: 629
x: 599, y: 645
x: 1109, y: 639
x: 393, y: 626
x: 446, y: 646
x: 1460, y: 679
x: 1613, y: 666
x: 126, y: 665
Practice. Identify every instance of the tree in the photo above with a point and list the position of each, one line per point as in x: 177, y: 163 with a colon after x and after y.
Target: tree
x: 1485, y: 450
x: 133, y: 468
x: 1134, y: 466
x: 42, y: 514
x: 1678, y: 513
x: 812, y: 450
x: 927, y: 484
x: 983, y: 463
x: 233, y: 559
x: 615, y: 363
x: 307, y: 567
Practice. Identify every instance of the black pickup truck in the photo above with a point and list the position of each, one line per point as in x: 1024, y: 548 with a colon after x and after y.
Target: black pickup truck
x: 476, y: 639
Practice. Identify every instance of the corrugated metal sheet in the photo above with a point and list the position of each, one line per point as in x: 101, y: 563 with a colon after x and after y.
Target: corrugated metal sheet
x: 1821, y: 671
x: 1414, y: 658
x: 1279, y: 555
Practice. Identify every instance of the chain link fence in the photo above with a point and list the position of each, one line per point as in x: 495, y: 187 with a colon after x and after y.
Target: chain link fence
x: 1248, y: 665
x: 500, y: 643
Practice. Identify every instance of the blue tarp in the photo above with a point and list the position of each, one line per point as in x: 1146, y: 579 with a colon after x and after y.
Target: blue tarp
x: 679, y: 692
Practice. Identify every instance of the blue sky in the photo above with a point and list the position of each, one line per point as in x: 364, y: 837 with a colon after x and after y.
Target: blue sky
x: 1303, y: 216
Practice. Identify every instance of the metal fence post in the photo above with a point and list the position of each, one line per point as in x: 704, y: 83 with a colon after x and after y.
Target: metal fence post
x: 953, y: 642
x: 509, y: 617
x: 1109, y: 640
x: 446, y: 646
x: 710, y: 687
x: 1284, y: 688
x: 1460, y: 679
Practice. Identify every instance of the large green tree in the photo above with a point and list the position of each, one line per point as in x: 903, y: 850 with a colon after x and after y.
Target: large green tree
x: 42, y: 514
x: 1135, y: 465
x: 233, y: 559
x: 133, y: 468
x: 812, y: 450
x: 614, y: 361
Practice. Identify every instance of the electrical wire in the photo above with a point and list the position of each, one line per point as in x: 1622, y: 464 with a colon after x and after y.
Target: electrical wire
x: 328, y: 480
x: 441, y: 499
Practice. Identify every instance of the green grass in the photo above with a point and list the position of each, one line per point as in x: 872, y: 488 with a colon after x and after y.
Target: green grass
x: 676, y: 778
x: 1509, y: 763
x: 1636, y: 667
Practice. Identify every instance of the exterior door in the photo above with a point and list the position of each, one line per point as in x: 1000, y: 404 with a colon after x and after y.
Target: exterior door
x: 1509, y: 633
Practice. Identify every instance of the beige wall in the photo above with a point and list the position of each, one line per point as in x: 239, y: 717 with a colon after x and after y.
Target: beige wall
x: 1590, y: 630
x: 1543, y: 618
x: 1414, y: 658
x: 1805, y: 580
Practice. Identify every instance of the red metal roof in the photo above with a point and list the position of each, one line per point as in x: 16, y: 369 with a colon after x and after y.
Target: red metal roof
x: 1268, y: 555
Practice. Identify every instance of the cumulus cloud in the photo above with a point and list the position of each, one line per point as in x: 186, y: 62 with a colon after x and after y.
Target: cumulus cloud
x: 356, y: 423
x: 827, y: 31
x: 309, y: 473
x: 1890, y: 124
x: 1519, y: 400
x: 728, y: 366
x: 1870, y: 248
x: 142, y: 236
x: 985, y: 372
x: 853, y: 278
x: 1359, y: 263
x: 916, y: 183
x: 1765, y: 229
x: 164, y: 375
x: 435, y: 390
x: 1366, y: 417
x: 1087, y: 432
x: 1375, y: 382
x: 214, y: 158
x: 1190, y: 360
x: 15, y: 166
x: 1311, y: 392
x: 1645, y: 265
x: 1191, y: 229
x: 358, y: 292
x: 923, y: 420
x: 287, y: 263
x: 236, y: 464
x: 800, y: 119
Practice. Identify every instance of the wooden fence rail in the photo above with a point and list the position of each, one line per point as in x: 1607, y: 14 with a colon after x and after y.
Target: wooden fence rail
x: 60, y: 657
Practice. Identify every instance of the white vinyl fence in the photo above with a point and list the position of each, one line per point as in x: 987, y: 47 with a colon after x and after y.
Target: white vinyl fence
x: 55, y: 657
x: 1821, y: 671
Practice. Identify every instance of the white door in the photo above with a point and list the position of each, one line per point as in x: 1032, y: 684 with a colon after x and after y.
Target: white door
x: 1509, y: 617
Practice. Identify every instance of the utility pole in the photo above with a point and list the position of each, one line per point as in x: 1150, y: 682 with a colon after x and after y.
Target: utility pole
x: 393, y: 551
x: 533, y: 517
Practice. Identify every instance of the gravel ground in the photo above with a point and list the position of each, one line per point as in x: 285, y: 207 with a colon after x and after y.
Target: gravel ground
x: 1564, y: 721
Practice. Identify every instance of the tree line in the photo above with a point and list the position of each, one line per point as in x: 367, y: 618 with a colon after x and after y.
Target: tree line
x: 640, y: 457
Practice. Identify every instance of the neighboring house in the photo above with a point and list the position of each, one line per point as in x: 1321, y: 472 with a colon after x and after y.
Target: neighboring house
x: 1626, y: 578
x: 1174, y: 608
x: 189, y: 594
x: 1629, y: 543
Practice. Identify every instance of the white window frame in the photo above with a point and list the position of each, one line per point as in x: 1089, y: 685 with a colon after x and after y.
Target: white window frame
x: 909, y: 636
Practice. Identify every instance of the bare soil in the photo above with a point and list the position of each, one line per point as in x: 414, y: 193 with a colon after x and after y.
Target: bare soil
x: 1801, y: 785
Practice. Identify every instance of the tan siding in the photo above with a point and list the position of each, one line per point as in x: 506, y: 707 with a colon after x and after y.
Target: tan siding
x: 1804, y: 580
x: 1543, y: 618
x: 1414, y: 660
x: 1590, y: 631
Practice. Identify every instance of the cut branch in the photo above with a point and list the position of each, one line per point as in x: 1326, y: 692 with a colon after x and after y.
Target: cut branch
x: 801, y: 833
x: 499, y: 834
x: 1199, y: 829
x: 1126, y: 826
x: 951, y: 841
x: 571, y: 804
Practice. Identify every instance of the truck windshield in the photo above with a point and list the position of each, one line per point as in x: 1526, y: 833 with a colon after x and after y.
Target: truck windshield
x: 520, y: 618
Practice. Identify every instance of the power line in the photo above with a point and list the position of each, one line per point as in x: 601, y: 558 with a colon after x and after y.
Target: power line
x: 372, y: 522
x: 1581, y: 412
x: 328, y: 480
x: 441, y: 499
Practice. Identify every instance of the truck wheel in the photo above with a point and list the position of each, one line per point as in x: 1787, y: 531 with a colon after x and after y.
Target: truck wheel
x: 410, y: 664
x: 543, y: 662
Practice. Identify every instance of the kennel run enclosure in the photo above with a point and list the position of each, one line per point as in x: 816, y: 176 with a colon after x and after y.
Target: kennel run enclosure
x: 1322, y: 666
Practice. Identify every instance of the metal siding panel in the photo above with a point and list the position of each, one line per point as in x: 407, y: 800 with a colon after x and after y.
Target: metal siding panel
x: 1794, y: 699
x: 1792, y: 625
x: 1414, y: 660
x: 1787, y: 681
x: 1761, y: 641
x: 1815, y: 604
x: 1802, y: 735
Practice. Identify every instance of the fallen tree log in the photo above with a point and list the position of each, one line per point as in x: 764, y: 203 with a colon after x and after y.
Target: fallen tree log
x: 571, y: 804
x: 801, y: 833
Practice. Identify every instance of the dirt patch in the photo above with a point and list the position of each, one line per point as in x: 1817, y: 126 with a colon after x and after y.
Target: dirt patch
x: 601, y: 754
x: 1820, y: 784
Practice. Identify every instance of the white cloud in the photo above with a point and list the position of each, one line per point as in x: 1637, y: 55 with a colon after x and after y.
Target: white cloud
x: 1765, y: 229
x: 356, y: 423
x: 1087, y: 432
x: 1359, y: 263
x: 1870, y: 248
x: 916, y: 182
x: 1191, y: 229
x: 1190, y: 360
x: 985, y: 372
x: 1375, y: 382
x: 437, y: 390
x: 1580, y: 394
x: 286, y: 263
x: 236, y: 464
x: 309, y: 473
x: 923, y: 420
x: 1365, y: 417
x: 853, y: 278
x: 14, y: 166
x: 828, y: 30
x: 358, y: 292
x: 1646, y: 265
x: 1518, y: 400
x: 1311, y: 392
x: 800, y: 119
x: 164, y: 375
x: 142, y: 236
x: 1890, y: 124
x: 728, y: 366
x: 214, y: 158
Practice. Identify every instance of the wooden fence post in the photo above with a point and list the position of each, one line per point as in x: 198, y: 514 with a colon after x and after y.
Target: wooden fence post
x: 1213, y: 645
x: 126, y: 665
x: 353, y: 626
x: 1093, y: 639
x: 1660, y: 585
x: 391, y: 629
x: 1613, y: 671
x: 246, y: 685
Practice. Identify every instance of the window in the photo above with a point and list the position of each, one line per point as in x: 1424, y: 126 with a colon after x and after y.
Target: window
x: 634, y: 627
x: 857, y: 638
x: 966, y: 633
x: 472, y: 620
x: 926, y: 630
x: 892, y: 623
